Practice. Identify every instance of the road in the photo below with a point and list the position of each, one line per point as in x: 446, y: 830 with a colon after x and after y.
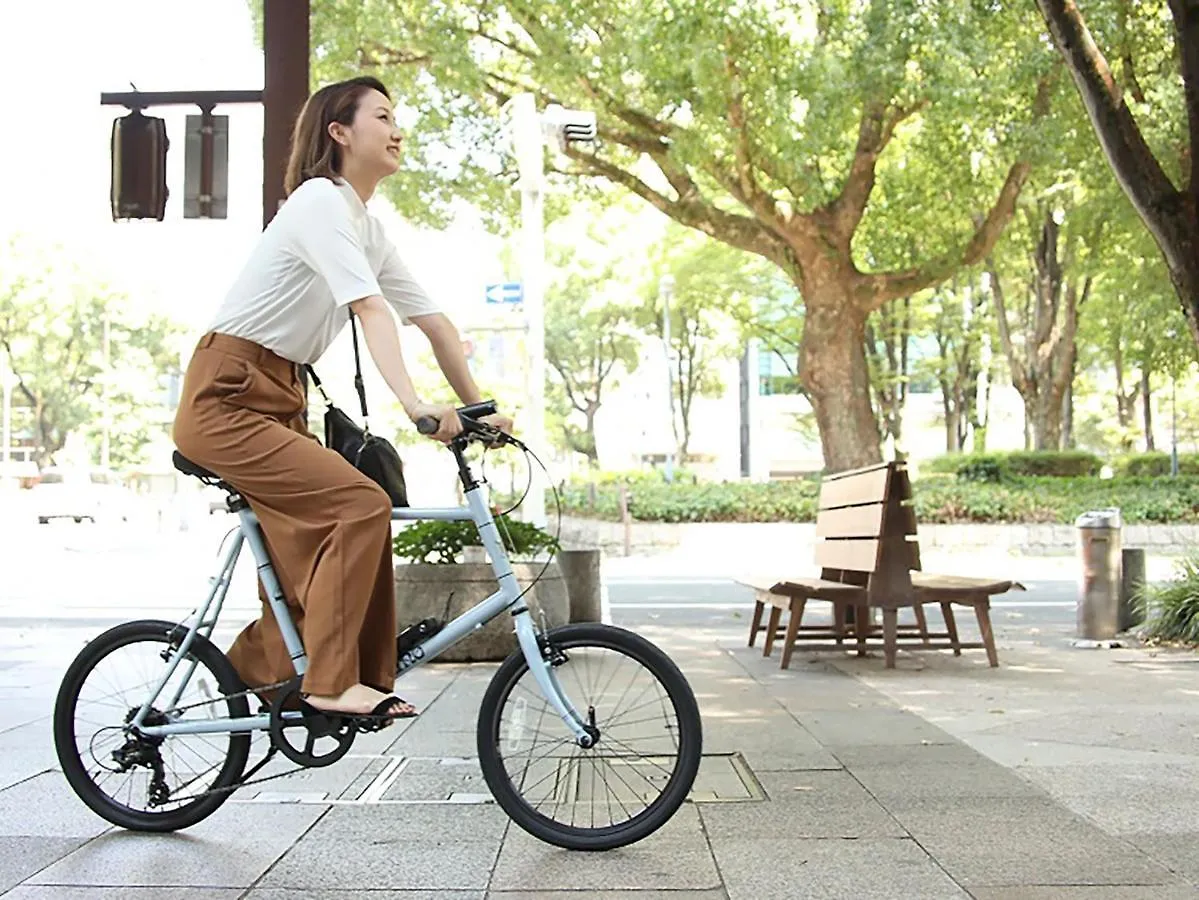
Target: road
x: 80, y: 574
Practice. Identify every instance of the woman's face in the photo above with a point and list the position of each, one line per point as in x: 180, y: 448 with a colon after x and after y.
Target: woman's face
x: 372, y: 142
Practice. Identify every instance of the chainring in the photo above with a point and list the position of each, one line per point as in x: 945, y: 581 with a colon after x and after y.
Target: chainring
x: 315, y: 727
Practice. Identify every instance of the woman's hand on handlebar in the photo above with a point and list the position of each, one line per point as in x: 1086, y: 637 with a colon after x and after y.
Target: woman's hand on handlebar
x: 449, y: 425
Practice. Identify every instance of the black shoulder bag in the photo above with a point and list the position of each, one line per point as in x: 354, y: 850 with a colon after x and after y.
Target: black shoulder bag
x: 370, y: 454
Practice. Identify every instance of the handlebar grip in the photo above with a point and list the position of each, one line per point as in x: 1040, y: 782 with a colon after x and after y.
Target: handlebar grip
x: 427, y: 425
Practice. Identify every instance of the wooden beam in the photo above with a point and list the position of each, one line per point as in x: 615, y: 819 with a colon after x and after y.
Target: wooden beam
x: 285, y: 25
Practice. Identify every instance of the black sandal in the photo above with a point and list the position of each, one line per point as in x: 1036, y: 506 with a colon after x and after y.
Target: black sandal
x: 378, y: 718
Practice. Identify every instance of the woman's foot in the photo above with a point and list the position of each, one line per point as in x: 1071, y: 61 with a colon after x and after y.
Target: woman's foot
x: 360, y: 700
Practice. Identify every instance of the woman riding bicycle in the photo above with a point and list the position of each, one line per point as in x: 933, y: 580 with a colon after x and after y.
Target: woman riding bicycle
x: 243, y: 412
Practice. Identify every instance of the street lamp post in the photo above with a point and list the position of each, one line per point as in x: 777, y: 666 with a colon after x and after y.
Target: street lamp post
x: 527, y: 132
x: 665, y: 292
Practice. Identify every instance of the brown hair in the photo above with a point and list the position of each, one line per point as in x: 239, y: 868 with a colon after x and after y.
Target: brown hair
x: 314, y: 153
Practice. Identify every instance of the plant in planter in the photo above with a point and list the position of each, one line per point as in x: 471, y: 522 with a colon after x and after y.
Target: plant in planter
x: 445, y: 542
x: 432, y: 582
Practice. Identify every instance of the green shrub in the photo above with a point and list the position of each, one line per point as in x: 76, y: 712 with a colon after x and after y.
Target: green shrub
x: 1155, y: 464
x: 937, y: 498
x: 1172, y: 608
x: 443, y: 541
x: 994, y: 467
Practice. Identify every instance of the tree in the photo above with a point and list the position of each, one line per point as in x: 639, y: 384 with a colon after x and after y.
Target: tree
x: 1154, y: 159
x: 961, y: 319
x: 765, y: 126
x: 52, y: 324
x: 589, y: 347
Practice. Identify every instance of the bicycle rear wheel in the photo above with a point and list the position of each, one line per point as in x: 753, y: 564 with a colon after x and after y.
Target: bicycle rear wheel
x: 632, y: 780
x: 135, y: 781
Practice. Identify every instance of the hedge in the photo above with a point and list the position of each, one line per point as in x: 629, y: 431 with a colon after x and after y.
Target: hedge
x: 995, y: 467
x: 939, y: 499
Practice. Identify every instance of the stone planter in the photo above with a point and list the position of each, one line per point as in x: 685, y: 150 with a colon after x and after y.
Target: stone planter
x: 423, y: 589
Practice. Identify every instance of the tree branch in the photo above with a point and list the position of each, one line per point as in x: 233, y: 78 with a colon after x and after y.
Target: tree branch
x: 876, y: 289
x: 1136, y: 168
x: 875, y: 131
x: 1019, y: 377
x: 1186, y: 21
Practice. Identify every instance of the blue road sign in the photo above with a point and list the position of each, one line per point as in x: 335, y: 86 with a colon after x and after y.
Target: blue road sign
x: 510, y: 292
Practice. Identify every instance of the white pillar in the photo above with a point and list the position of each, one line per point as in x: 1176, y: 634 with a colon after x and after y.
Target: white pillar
x: 529, y: 148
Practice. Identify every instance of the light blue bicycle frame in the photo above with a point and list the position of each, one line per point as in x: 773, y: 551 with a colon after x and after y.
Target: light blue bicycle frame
x: 203, y: 620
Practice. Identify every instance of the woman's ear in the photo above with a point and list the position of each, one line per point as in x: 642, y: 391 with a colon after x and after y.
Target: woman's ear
x: 338, y: 132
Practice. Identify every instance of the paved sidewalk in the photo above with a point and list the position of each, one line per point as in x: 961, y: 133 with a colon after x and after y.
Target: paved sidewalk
x: 1064, y: 773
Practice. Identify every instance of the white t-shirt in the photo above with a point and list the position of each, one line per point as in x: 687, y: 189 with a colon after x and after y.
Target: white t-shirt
x: 320, y: 252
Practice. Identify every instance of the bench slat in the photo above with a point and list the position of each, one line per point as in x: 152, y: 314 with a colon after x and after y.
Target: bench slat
x: 851, y: 521
x: 868, y: 487
x: 854, y: 555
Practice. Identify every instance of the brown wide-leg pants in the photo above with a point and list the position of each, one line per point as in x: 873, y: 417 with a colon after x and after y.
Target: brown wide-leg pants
x: 326, y: 525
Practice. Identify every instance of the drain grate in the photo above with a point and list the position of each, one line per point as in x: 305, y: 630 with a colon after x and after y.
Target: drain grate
x: 415, y: 780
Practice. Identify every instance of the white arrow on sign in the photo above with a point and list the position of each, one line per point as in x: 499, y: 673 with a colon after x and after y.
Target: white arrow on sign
x: 509, y: 292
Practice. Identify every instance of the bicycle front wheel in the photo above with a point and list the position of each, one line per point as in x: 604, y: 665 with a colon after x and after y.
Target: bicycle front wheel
x: 632, y: 780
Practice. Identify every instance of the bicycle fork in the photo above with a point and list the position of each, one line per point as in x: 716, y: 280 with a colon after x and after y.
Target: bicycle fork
x: 541, y: 664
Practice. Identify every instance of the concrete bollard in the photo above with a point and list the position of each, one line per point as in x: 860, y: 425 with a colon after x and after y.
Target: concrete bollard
x: 581, y: 572
x: 1132, y: 579
x: 1099, y: 544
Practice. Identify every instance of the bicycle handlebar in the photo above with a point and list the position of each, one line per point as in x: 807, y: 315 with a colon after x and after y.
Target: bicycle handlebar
x: 468, y: 415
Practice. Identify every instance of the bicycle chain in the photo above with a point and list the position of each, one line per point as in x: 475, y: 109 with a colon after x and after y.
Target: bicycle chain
x: 242, y: 782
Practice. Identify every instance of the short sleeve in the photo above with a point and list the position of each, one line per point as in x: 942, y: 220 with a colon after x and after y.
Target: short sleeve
x: 324, y: 237
x: 401, y: 290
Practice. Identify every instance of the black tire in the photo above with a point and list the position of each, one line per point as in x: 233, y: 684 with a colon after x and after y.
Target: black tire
x: 74, y: 766
x: 654, y: 816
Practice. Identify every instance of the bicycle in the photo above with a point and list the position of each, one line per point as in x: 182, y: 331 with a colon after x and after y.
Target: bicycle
x: 149, y: 728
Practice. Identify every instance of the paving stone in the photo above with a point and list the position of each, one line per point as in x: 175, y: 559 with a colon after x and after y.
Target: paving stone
x: 62, y: 892
x: 1087, y: 892
x: 790, y: 869
x: 713, y: 894
x: 1178, y: 851
x: 232, y: 848
x: 21, y: 857
x: 881, y: 727
x: 803, y: 805
x: 365, y: 894
x: 45, y: 806
x: 675, y: 857
x: 435, y: 847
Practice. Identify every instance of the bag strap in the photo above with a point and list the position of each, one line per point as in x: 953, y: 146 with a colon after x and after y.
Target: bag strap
x: 358, y: 372
x: 358, y: 383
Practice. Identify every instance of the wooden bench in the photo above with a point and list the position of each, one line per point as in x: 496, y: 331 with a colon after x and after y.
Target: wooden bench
x: 869, y: 559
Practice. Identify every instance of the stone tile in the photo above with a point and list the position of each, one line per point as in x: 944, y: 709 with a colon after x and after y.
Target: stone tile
x: 426, y: 847
x: 1178, y: 851
x: 676, y: 857
x: 786, y: 869
x: 366, y: 894
x: 1123, y: 799
x: 713, y: 894
x: 61, y: 892
x: 25, y: 752
x: 21, y: 857
x: 977, y: 779
x: 45, y: 806
x: 1022, y: 841
x: 1088, y: 892
x: 878, y: 727
x: 803, y: 805
x: 232, y: 848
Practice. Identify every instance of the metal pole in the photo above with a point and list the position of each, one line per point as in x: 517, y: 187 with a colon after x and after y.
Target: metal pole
x: 105, y: 412
x: 1174, y: 427
x: 665, y: 290
x: 7, y: 426
x: 532, y: 273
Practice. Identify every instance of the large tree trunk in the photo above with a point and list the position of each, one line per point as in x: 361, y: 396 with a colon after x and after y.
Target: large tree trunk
x: 837, y: 378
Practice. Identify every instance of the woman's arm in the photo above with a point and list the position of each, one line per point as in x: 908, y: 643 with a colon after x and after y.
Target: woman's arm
x: 447, y: 347
x: 383, y: 342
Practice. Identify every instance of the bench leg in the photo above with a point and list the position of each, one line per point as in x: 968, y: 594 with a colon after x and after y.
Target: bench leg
x: 771, y: 630
x: 921, y: 622
x: 951, y: 626
x: 890, y: 631
x: 861, y: 626
x: 982, y: 609
x: 797, y: 605
x: 756, y: 625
